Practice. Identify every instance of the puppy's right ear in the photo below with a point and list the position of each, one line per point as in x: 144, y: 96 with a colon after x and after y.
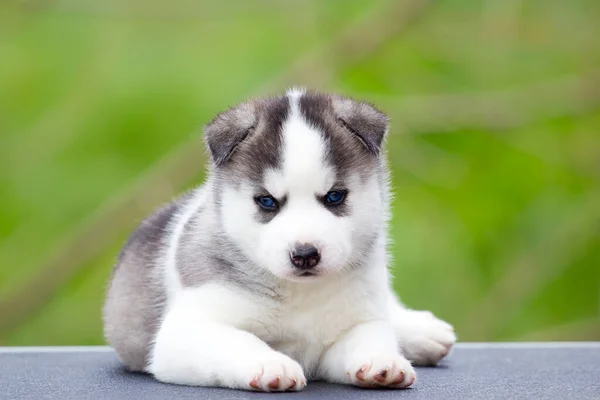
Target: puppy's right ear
x: 227, y: 130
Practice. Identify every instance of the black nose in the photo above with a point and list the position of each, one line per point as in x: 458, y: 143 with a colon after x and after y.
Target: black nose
x: 305, y: 256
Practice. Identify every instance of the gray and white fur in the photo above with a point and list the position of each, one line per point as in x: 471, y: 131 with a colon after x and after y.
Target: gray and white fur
x: 275, y: 270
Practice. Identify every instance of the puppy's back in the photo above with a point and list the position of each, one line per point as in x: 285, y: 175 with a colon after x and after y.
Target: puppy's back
x: 136, y: 293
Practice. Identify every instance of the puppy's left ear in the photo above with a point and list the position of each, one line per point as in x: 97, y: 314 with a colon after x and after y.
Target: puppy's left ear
x: 364, y: 120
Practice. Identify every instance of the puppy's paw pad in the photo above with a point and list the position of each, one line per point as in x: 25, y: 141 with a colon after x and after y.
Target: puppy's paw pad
x: 383, y: 371
x: 278, y: 373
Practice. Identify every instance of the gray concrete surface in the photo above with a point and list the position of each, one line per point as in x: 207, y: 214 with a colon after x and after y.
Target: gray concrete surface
x: 473, y: 371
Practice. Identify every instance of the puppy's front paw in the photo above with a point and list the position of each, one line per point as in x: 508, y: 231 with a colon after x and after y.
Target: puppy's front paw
x: 391, y: 371
x: 424, y: 339
x: 276, y: 373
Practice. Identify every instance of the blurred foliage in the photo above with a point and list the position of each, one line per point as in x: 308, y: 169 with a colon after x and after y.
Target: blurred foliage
x: 496, y: 229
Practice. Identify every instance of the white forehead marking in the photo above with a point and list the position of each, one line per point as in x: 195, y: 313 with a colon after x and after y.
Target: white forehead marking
x: 294, y: 95
x: 304, y: 171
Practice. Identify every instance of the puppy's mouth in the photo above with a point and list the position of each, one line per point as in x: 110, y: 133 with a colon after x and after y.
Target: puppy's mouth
x: 305, y: 276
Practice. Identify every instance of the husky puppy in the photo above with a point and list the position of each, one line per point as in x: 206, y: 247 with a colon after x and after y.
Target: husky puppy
x: 274, y: 271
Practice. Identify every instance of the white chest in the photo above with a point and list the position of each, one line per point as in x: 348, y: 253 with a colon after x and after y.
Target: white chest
x: 310, y: 319
x: 306, y: 319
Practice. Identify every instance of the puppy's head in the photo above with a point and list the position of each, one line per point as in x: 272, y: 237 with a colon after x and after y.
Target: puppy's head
x: 301, y: 181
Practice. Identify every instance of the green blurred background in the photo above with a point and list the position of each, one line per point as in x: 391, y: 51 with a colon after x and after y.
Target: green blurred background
x: 495, y: 144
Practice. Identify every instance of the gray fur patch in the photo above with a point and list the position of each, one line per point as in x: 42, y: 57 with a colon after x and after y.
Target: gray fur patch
x: 362, y: 119
x: 246, y: 140
x: 228, y: 129
x: 347, y: 151
x: 353, y: 133
x: 206, y: 255
x: 136, y: 296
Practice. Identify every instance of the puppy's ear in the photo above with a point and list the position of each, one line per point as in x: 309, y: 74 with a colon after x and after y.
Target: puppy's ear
x: 364, y: 120
x: 228, y: 129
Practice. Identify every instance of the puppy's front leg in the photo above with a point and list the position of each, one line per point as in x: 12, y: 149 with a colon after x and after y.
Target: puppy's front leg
x: 367, y: 355
x: 192, y: 350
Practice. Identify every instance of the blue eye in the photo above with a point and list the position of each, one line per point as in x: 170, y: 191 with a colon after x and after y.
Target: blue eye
x: 267, y: 202
x: 335, y: 197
